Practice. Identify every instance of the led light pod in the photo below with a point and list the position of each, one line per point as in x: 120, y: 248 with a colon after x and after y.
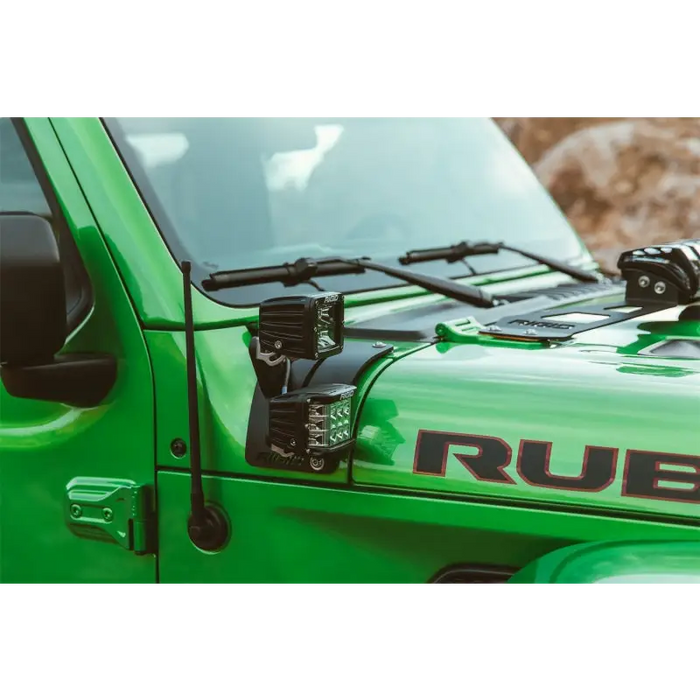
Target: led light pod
x: 312, y: 422
x: 302, y: 327
x: 665, y: 274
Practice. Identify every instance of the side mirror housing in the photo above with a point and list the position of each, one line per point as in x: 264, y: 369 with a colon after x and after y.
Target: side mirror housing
x: 32, y: 293
x: 33, y: 321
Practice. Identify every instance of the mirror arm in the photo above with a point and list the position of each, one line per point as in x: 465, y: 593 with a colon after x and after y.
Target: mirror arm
x: 79, y: 380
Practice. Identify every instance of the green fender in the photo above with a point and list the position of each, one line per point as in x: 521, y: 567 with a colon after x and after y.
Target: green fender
x: 617, y: 562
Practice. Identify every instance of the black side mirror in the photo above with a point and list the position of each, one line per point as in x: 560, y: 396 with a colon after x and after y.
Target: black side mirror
x: 33, y: 321
x: 32, y: 293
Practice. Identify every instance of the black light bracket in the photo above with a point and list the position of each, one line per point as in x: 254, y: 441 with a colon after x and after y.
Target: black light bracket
x: 293, y: 425
x: 560, y: 324
x: 656, y: 278
x: 272, y: 370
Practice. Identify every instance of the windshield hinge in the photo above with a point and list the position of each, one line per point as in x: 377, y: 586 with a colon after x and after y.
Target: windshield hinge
x: 112, y: 510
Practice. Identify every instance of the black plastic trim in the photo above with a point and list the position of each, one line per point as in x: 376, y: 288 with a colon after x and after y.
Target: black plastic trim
x: 70, y: 255
x: 349, y: 366
x: 80, y: 380
x: 470, y: 573
x: 418, y: 324
x: 691, y: 313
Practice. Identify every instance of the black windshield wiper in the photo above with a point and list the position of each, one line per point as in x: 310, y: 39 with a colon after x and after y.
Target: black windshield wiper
x: 308, y: 269
x: 463, y: 250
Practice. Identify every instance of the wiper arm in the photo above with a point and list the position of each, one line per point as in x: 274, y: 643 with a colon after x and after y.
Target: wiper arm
x: 463, y: 250
x: 308, y: 269
x: 290, y: 274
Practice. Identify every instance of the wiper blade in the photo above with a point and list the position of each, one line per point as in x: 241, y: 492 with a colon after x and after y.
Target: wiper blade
x: 290, y: 274
x: 308, y: 269
x: 465, y: 249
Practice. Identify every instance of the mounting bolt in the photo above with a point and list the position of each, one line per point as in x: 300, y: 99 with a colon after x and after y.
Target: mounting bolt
x: 108, y: 515
x: 379, y: 346
x: 76, y: 511
x: 660, y: 287
x: 644, y: 282
x: 317, y: 464
x: 293, y: 443
x: 178, y: 448
x: 530, y: 331
x: 278, y: 345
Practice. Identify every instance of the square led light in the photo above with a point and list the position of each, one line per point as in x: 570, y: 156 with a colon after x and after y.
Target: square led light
x: 303, y: 327
x: 313, y: 421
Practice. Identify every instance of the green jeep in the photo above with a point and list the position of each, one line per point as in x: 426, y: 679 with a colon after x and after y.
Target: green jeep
x: 331, y: 351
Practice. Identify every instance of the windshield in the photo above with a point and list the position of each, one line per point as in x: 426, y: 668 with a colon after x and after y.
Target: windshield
x: 243, y: 192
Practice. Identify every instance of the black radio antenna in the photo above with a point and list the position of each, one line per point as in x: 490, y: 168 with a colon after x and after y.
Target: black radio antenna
x: 207, y: 526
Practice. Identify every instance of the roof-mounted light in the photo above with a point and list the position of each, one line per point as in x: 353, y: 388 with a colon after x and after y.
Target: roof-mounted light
x: 664, y: 274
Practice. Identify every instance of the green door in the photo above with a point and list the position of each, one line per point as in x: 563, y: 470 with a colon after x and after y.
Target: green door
x: 44, y: 447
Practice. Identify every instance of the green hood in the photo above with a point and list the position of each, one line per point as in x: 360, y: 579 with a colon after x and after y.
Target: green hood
x: 431, y: 415
x: 602, y: 391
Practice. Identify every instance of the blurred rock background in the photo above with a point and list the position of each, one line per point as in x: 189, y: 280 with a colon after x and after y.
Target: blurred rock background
x: 622, y: 182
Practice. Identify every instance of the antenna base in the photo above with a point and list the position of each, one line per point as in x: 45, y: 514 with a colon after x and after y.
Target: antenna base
x: 211, y: 534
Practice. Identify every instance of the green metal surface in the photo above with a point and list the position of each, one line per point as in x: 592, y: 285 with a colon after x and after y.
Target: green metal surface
x: 285, y: 533
x: 44, y: 446
x: 606, y: 563
x: 595, y: 390
x: 111, y: 510
x: 464, y: 330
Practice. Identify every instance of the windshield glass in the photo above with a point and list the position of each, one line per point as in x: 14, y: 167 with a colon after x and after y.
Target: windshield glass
x: 252, y: 192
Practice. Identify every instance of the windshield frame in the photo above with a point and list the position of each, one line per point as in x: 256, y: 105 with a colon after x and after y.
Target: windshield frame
x: 475, y: 270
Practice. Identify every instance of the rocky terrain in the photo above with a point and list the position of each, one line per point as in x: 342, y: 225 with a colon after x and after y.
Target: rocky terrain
x: 622, y: 182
